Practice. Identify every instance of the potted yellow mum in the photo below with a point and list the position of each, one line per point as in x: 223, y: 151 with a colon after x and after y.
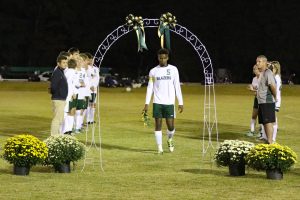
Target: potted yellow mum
x: 24, y: 151
x: 274, y: 158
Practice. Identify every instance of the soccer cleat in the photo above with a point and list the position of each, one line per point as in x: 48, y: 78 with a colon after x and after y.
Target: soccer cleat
x: 250, y: 134
x: 170, y: 144
x: 68, y: 133
x: 160, y: 152
x: 77, y: 131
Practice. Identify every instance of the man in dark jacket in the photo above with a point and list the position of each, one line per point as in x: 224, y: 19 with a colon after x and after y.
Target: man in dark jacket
x: 59, y: 92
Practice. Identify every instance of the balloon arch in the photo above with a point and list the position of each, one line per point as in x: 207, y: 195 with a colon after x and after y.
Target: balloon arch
x: 210, y: 125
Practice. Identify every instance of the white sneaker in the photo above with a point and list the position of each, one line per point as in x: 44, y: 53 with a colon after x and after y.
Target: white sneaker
x: 170, y: 145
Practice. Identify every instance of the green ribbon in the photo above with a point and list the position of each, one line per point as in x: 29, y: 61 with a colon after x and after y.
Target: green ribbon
x: 164, y: 34
x: 140, y: 33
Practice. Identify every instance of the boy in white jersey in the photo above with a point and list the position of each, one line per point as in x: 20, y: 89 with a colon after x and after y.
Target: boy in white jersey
x: 71, y: 100
x: 81, y: 102
x: 164, y: 83
x: 93, y: 75
x: 87, y: 92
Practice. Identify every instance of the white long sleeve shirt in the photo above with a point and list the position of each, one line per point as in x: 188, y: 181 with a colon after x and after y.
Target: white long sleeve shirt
x: 164, y: 83
x: 278, y: 90
x: 94, y: 77
x: 70, y: 76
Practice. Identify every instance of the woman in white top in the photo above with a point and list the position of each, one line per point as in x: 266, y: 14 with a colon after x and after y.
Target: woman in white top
x: 275, y: 65
x: 253, y: 87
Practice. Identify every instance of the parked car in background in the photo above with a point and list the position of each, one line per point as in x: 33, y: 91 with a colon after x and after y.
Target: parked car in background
x: 45, y: 76
x: 33, y: 78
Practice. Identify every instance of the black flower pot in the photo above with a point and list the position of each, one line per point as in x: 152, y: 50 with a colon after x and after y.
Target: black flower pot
x: 237, y: 169
x: 63, y: 168
x: 275, y: 174
x: 21, y: 171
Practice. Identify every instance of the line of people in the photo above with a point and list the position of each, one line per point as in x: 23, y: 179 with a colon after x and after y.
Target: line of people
x: 73, y: 88
x: 266, y: 86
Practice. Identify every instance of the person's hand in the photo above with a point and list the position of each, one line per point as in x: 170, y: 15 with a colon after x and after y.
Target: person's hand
x: 145, y: 109
x: 92, y: 89
x: 180, y: 108
x: 74, y: 96
x: 250, y: 87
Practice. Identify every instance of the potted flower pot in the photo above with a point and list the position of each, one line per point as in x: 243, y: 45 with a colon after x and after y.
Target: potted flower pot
x: 274, y: 158
x: 63, y: 149
x: 24, y: 151
x: 275, y: 174
x: 231, y: 153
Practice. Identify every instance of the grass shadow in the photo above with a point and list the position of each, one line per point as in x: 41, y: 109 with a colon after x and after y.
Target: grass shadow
x: 191, y: 130
x: 223, y: 173
x: 295, y: 171
x: 6, y: 170
x: 117, y: 147
x: 204, y: 171
x: 42, y: 169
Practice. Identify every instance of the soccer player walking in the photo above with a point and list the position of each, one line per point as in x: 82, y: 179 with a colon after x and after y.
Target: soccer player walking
x: 165, y: 85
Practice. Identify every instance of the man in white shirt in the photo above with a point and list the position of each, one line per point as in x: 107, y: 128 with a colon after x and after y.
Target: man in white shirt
x: 165, y: 85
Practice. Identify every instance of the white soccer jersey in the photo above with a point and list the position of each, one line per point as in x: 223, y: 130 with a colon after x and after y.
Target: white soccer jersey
x: 164, y: 83
x: 70, y: 76
x: 87, y: 91
x: 81, y: 76
x: 94, y: 77
x: 278, y: 90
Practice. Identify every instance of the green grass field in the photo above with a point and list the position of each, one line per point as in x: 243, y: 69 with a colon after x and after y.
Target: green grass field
x: 132, y: 169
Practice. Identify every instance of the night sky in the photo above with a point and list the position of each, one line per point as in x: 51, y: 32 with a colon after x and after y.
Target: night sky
x: 234, y: 32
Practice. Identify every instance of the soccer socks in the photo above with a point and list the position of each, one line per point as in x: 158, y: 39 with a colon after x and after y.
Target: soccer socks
x: 275, y: 128
x: 252, y: 125
x: 263, y: 132
x: 84, y: 114
x: 69, y: 122
x: 92, y: 113
x: 78, y: 120
x: 158, y: 138
x: 170, y: 133
x: 170, y: 140
x: 88, y: 114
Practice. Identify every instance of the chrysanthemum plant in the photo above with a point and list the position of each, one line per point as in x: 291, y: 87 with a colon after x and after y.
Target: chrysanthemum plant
x: 232, y: 152
x: 25, y: 150
x: 271, y: 156
x: 64, y: 149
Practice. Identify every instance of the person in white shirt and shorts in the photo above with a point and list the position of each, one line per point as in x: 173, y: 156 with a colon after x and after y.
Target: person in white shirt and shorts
x: 164, y: 84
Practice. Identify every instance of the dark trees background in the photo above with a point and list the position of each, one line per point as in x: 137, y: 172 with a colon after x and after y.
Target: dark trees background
x: 234, y: 32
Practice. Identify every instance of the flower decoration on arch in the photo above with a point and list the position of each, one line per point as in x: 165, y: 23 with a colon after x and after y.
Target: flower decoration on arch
x: 137, y: 23
x: 167, y: 21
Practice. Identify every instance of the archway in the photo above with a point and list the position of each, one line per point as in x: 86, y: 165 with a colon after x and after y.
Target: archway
x: 210, y: 124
